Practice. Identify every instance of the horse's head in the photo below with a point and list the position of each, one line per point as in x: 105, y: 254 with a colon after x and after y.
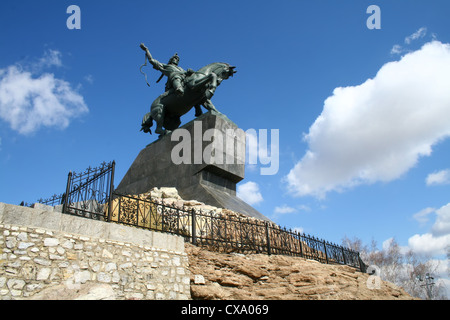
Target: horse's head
x: 221, y: 69
x: 226, y: 71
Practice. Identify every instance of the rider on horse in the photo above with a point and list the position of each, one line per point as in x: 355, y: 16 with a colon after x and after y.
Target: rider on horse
x: 175, y: 76
x: 184, y: 90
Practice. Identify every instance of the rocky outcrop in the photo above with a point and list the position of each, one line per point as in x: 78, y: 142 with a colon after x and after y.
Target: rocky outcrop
x: 220, y: 276
x: 228, y: 276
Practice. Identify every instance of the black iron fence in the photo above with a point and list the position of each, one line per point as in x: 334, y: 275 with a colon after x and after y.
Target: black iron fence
x: 90, y: 194
x: 87, y: 192
x: 227, y: 233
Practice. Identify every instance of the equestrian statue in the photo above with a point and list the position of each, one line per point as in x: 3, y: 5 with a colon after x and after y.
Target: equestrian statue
x: 185, y: 89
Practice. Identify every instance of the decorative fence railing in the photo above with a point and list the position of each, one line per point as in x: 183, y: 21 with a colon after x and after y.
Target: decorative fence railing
x: 90, y: 194
x: 227, y: 233
x: 87, y: 192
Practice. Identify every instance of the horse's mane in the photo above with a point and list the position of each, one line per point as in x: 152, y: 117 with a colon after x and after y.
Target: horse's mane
x: 213, y: 66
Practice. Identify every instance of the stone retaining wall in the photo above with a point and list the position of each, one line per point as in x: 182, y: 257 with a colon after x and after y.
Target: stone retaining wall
x: 49, y: 255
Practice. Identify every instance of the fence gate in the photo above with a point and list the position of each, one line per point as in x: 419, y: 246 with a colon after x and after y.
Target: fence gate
x: 88, y: 193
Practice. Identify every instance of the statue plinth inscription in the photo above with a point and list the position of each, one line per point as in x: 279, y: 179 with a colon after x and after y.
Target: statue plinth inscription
x: 204, y: 160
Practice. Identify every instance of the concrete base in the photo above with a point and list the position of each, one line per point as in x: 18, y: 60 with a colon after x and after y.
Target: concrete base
x: 65, y: 223
x: 211, y: 150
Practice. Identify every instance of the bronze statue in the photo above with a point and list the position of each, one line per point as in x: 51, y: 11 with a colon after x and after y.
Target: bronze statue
x: 184, y: 90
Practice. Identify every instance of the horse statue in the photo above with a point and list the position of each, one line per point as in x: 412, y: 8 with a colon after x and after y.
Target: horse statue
x: 184, y: 90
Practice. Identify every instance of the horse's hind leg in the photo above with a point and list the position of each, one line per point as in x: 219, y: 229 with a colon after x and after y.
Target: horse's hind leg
x: 198, y: 110
x: 209, y: 106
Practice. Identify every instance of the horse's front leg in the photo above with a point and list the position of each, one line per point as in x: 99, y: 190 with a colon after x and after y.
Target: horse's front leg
x: 211, y: 88
x: 207, y: 82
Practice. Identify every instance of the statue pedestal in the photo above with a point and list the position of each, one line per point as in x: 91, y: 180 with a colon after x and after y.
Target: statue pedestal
x: 204, y: 162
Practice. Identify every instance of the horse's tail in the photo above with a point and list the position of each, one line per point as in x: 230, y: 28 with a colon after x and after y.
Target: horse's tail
x: 147, y: 123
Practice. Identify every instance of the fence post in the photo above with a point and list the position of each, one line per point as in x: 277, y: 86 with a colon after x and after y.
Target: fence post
x: 66, y: 196
x: 194, y: 228
x: 212, y: 227
x: 343, y: 255
x: 362, y: 265
x: 268, y: 238
x: 111, y: 190
x: 325, y: 249
x: 300, y: 243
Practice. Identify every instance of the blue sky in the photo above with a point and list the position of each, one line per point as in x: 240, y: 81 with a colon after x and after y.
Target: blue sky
x: 353, y: 161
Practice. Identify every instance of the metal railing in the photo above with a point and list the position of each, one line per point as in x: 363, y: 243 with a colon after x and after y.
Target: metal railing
x: 90, y: 194
x: 227, y: 233
x: 87, y: 192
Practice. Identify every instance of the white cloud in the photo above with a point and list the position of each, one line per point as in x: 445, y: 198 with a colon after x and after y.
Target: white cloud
x: 284, y: 209
x: 442, y: 224
x: 89, y: 78
x: 378, y: 130
x: 423, y: 215
x: 51, y: 58
x: 398, y: 49
x: 436, y: 241
x: 428, y: 244
x: 28, y: 102
x: 438, y: 178
x: 249, y: 192
x: 416, y: 35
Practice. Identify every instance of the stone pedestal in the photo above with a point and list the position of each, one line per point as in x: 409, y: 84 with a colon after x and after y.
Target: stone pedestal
x: 204, y: 162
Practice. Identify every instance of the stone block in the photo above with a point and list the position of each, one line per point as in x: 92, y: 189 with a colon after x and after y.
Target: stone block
x: 88, y: 227
x: 2, y: 209
x: 42, y: 206
x: 25, y: 216
x: 123, y: 233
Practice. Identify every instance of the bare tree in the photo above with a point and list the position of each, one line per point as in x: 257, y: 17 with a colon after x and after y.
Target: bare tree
x: 405, y: 269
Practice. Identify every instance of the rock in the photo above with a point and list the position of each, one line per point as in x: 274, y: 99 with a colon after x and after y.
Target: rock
x: 199, y: 279
x: 276, y: 277
x: 234, y: 280
x: 15, y: 284
x: 99, y: 292
x: 193, y: 203
x: 43, y: 274
x: 170, y: 193
x: 88, y: 291
x: 213, y: 291
x: 260, y: 276
x: 251, y: 271
x: 51, y: 242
